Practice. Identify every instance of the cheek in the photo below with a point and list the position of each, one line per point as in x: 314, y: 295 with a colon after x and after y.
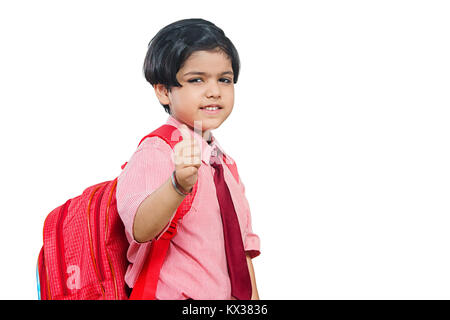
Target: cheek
x: 189, y: 97
x: 230, y: 92
x: 230, y: 97
x: 182, y: 100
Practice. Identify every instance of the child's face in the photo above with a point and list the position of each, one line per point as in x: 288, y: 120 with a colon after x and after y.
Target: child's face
x: 206, y: 78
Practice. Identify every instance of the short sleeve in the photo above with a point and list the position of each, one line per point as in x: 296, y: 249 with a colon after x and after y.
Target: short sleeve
x: 149, y: 167
x: 251, y: 240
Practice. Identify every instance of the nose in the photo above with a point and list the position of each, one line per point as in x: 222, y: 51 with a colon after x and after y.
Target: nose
x: 212, y: 90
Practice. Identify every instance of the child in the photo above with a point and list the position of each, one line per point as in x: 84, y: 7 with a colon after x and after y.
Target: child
x: 191, y: 65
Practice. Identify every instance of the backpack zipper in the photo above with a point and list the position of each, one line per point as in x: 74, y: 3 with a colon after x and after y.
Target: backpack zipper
x: 111, y: 267
x: 91, y: 247
x: 97, y: 229
x: 60, y: 246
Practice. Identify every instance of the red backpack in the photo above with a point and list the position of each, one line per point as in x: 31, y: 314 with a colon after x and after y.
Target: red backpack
x: 84, y: 252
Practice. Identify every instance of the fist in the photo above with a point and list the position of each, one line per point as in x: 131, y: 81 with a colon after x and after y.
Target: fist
x: 187, y: 158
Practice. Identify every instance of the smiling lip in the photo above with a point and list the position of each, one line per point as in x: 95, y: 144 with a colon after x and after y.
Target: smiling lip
x: 212, y: 111
x: 212, y: 105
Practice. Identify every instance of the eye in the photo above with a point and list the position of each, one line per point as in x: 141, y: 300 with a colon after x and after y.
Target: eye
x: 195, y: 80
x: 225, y: 80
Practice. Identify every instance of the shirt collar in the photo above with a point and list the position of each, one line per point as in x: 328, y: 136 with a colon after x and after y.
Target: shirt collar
x: 207, y: 150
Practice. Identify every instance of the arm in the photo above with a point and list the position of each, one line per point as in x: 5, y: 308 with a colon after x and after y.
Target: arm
x: 156, y: 210
x: 255, y: 295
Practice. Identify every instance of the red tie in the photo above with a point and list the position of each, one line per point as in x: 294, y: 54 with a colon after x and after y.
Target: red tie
x: 241, y: 286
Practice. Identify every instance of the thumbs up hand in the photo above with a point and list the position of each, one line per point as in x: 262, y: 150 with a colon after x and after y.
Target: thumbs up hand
x: 187, y: 156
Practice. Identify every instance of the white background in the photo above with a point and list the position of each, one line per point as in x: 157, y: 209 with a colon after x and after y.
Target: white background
x: 340, y: 131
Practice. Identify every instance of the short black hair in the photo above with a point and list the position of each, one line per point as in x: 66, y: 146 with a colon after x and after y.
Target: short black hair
x: 173, y: 45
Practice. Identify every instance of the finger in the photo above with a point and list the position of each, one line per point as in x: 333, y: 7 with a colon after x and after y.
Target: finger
x: 197, y: 162
x: 196, y: 151
x: 185, y: 153
x: 181, y: 154
x: 190, y: 145
x: 188, y: 156
x: 193, y: 150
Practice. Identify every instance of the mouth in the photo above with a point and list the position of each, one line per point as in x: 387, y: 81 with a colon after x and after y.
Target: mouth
x: 212, y: 108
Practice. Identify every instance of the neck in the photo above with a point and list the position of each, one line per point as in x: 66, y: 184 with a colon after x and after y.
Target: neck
x: 207, y: 136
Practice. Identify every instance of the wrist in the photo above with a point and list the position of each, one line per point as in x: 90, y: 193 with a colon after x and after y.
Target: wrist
x: 178, y: 188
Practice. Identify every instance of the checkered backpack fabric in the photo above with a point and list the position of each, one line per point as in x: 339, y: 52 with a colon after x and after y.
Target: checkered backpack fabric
x: 83, y: 256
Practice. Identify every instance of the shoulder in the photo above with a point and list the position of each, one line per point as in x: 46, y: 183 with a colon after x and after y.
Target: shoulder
x: 154, y: 144
x: 152, y: 151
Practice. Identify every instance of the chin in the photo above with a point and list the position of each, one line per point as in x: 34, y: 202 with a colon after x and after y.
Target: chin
x: 212, y: 124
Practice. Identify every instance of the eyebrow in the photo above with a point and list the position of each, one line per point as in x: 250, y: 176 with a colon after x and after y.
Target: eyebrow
x: 205, y: 73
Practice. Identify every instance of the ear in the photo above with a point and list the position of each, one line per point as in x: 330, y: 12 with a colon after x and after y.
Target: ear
x: 162, y: 93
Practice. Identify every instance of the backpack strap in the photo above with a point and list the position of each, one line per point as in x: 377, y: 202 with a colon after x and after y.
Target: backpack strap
x: 145, y: 286
x: 167, y: 132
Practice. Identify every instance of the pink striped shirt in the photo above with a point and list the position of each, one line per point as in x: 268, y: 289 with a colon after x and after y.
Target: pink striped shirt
x: 195, y: 266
